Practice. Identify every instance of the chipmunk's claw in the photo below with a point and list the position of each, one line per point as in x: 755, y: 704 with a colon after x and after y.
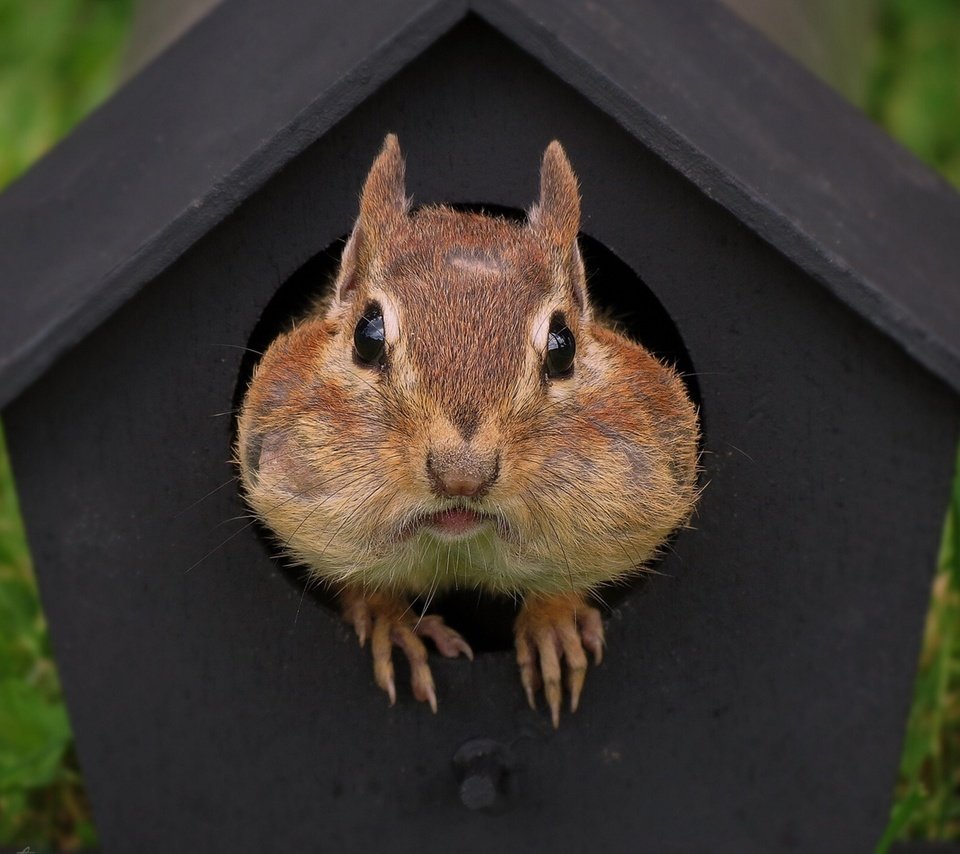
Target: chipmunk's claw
x: 449, y: 643
x: 551, y: 629
x: 591, y: 631
x: 382, y: 647
x: 529, y: 675
x: 576, y: 658
x: 357, y: 613
x: 390, y: 623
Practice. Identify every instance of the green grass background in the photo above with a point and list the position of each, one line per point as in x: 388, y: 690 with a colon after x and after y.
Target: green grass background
x: 59, y: 58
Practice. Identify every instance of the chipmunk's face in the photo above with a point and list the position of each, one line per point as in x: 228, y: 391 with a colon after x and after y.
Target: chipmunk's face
x: 467, y: 330
x: 455, y: 404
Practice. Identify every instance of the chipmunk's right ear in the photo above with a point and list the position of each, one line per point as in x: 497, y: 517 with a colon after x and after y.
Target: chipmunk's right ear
x: 383, y: 204
x: 556, y: 217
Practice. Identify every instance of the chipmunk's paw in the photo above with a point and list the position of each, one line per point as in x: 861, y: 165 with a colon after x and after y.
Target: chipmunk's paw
x: 551, y: 628
x: 389, y: 621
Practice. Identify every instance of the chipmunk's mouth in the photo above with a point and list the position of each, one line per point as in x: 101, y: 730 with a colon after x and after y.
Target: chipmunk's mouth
x: 454, y: 523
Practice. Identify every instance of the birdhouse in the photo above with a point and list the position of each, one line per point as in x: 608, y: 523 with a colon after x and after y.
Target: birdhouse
x: 798, y: 267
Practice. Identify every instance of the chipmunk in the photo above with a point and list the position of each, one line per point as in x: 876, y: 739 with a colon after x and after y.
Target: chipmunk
x: 455, y: 414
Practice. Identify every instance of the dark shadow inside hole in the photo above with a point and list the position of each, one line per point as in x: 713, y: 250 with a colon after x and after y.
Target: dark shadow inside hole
x: 616, y: 291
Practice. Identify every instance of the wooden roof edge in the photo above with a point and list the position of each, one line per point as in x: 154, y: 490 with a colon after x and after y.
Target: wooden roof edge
x: 737, y: 118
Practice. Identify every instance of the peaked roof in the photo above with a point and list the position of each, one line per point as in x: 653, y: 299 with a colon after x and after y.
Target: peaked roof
x: 257, y: 81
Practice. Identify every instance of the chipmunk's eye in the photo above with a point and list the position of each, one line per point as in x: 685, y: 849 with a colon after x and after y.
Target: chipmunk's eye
x: 368, y: 338
x: 561, y: 348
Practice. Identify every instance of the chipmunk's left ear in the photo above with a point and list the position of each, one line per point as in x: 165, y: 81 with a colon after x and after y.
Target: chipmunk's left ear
x: 556, y: 217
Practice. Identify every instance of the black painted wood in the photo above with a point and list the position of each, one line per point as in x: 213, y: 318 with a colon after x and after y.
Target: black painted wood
x: 177, y: 149
x: 254, y: 84
x: 783, y: 152
x: 753, y: 698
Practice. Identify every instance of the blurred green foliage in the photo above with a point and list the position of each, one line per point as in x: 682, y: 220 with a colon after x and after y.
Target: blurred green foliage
x: 914, y: 85
x: 58, y: 59
x: 927, y: 803
x: 914, y: 92
x: 41, y: 794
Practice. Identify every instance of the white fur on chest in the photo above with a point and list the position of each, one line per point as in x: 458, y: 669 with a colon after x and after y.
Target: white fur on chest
x: 427, y: 564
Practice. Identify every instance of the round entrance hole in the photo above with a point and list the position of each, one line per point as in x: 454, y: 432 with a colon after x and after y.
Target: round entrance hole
x: 616, y: 291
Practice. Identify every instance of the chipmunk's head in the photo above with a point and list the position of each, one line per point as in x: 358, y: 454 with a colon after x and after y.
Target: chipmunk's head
x: 454, y: 389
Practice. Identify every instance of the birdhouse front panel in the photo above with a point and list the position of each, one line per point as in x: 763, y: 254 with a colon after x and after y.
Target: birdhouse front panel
x: 753, y: 692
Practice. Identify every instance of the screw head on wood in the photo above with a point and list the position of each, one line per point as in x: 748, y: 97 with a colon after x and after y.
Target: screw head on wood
x: 482, y: 767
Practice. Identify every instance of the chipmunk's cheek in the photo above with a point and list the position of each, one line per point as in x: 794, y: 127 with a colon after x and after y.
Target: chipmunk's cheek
x: 571, y: 468
x: 570, y: 479
x: 273, y: 463
x: 639, y: 465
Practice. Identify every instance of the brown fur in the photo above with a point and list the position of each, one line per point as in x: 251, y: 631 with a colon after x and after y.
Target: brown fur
x: 595, y: 470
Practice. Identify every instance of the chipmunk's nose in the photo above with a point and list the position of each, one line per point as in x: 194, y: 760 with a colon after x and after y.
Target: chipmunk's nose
x: 462, y: 473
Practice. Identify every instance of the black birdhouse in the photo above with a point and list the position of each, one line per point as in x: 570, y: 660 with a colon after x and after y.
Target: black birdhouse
x: 799, y: 267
